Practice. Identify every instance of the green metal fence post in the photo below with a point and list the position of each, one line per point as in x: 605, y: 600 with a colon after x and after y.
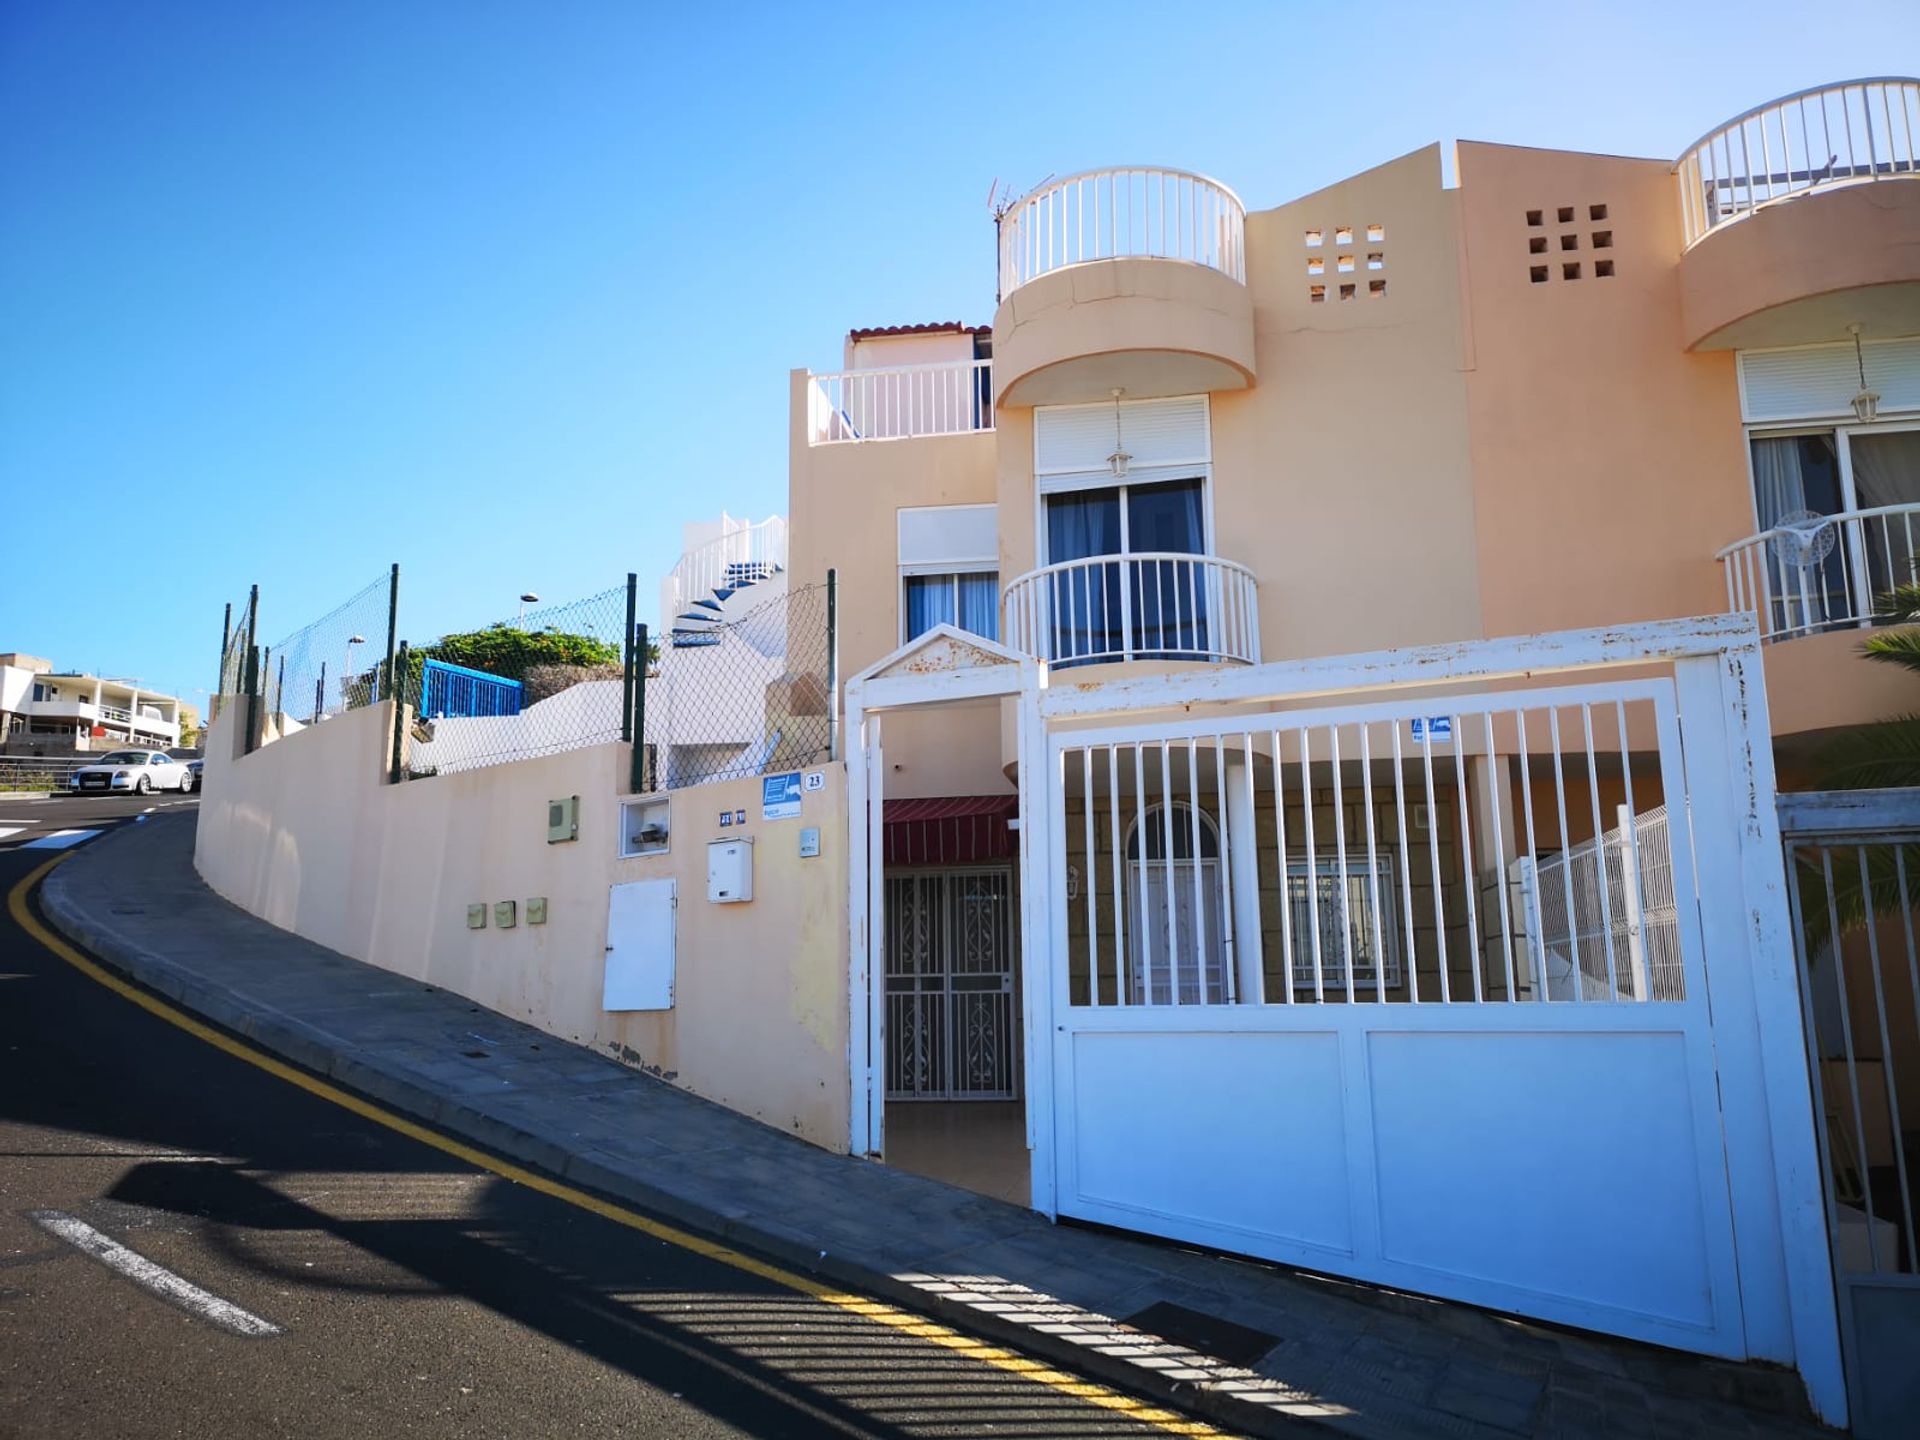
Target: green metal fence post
x: 253, y: 699
x: 226, y: 639
x: 626, y: 676
x: 833, y: 665
x: 393, y: 626
x: 399, y: 713
x: 280, y: 685
x: 638, y: 778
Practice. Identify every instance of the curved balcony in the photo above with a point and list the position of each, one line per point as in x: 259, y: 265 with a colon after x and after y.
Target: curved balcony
x: 1134, y: 212
x: 1152, y: 606
x: 1130, y: 279
x: 1839, y: 134
x: 1758, y: 271
x: 1825, y: 574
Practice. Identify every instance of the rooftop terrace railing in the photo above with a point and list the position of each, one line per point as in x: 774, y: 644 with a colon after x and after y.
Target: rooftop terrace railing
x: 1133, y: 211
x: 1845, y: 133
x: 901, y: 402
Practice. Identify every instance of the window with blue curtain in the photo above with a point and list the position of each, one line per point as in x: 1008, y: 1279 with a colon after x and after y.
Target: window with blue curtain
x: 1167, y: 599
x: 969, y: 601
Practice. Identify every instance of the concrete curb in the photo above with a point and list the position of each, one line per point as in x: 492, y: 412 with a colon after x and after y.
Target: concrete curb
x: 288, y: 1037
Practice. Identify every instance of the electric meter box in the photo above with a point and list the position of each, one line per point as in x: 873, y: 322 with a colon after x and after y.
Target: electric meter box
x: 729, y: 871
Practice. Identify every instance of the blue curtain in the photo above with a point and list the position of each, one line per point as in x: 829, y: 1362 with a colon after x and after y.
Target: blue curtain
x: 929, y: 603
x: 1084, y: 602
x: 971, y: 602
x: 978, y: 604
x: 1169, y: 597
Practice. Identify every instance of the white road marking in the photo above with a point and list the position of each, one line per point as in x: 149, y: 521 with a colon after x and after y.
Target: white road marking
x: 149, y: 1276
x: 6, y: 830
x: 150, y: 809
x: 60, y: 840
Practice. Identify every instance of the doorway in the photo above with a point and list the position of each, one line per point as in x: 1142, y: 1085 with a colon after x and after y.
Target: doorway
x: 952, y: 1029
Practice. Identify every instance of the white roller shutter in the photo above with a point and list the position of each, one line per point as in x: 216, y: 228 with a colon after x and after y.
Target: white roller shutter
x: 1818, y: 382
x: 936, y: 538
x: 1167, y: 439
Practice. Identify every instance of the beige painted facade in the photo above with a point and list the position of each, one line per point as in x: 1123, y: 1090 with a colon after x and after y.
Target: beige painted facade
x: 1436, y: 412
x: 306, y: 832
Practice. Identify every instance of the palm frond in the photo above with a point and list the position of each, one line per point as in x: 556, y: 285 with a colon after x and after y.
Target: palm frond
x: 1900, y: 604
x: 1873, y: 757
x: 1896, y: 647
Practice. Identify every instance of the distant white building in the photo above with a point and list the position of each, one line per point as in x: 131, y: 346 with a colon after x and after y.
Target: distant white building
x: 88, y: 712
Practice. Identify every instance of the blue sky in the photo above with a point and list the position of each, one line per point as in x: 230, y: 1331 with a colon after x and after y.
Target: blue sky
x: 507, y: 292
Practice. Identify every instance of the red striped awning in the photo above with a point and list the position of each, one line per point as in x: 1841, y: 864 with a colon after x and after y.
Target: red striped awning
x: 951, y: 830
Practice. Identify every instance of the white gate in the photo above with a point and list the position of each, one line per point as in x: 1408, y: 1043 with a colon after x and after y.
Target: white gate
x: 1339, y: 1022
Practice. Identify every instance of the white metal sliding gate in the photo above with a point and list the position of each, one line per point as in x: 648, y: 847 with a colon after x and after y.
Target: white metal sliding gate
x: 1345, y: 1046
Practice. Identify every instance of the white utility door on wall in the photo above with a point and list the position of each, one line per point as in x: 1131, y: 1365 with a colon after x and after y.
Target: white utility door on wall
x: 640, y: 943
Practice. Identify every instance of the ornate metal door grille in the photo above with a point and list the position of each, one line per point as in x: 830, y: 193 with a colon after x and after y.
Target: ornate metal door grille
x: 950, y: 1032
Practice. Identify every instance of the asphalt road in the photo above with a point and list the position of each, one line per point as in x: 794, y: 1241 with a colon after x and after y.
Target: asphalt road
x: 325, y: 1276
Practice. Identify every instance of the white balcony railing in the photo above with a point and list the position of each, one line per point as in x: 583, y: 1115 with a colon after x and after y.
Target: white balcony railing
x: 1853, y: 131
x: 901, y: 402
x: 1158, y: 606
x: 742, y: 556
x: 1824, y: 574
x: 1115, y: 214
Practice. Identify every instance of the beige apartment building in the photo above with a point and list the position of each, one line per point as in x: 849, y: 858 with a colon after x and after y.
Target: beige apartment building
x: 1557, y: 391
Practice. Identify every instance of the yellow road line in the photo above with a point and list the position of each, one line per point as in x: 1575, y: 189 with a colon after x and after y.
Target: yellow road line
x: 879, y: 1311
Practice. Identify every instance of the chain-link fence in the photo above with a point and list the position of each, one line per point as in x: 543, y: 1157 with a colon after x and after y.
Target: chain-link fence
x: 743, y: 697
x: 548, y: 680
x: 335, y: 664
x: 235, y: 639
x: 720, y: 696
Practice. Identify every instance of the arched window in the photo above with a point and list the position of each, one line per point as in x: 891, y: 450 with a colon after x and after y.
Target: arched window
x: 1176, y: 909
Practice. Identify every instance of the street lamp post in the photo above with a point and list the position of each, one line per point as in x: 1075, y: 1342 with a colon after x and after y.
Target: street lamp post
x: 526, y: 599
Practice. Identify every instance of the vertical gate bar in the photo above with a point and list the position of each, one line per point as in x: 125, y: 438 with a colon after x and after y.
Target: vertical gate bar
x: 1313, y: 865
x: 1286, y: 880
x: 1846, y: 1040
x: 1166, y: 861
x: 1199, y: 899
x: 1496, y: 780
x: 1433, y: 859
x: 1886, y: 1050
x: 1913, y: 961
x: 1469, y: 870
x: 1601, y: 878
x: 1913, y: 982
x: 1533, y: 920
x: 1141, y: 987
x: 1116, y: 842
x: 1406, y: 864
x: 1373, y: 867
x: 1340, y: 861
x: 1630, y: 840
x: 1087, y: 885
x: 1566, y: 863
x: 1227, y: 933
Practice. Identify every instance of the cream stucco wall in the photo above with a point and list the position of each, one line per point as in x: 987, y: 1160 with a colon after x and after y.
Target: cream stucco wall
x: 843, y: 513
x: 1343, y: 478
x: 307, y: 834
x: 1609, y: 464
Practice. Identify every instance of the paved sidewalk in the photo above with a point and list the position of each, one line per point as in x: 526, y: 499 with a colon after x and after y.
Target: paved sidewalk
x: 1353, y: 1360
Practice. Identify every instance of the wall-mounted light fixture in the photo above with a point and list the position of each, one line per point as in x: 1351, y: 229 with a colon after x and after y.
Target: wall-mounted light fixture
x: 1119, y: 459
x: 1866, y: 405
